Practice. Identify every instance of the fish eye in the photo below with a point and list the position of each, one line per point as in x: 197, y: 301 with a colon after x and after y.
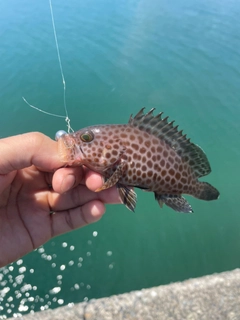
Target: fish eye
x: 87, y: 136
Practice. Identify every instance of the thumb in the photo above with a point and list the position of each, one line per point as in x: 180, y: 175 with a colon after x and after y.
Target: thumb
x: 21, y: 151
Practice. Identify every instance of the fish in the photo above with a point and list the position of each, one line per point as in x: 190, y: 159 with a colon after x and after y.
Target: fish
x: 148, y: 152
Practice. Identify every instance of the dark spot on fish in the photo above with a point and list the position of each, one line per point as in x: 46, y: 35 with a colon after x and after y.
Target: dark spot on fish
x: 180, y: 186
x: 131, y: 137
x: 142, y: 150
x: 123, y: 135
x: 139, y: 173
x: 191, y: 162
x: 170, y: 159
x: 114, y: 152
x: 108, y: 155
x: 144, y: 168
x: 167, y: 178
x: 149, y: 164
x: 135, y: 146
x: 140, y: 139
x: 149, y: 154
x: 171, y: 172
x: 153, y: 149
x: 149, y: 174
x: 154, y: 158
x: 138, y: 165
x: 184, y: 180
x: 165, y: 153
x: 175, y: 166
x: 164, y: 172
x: 147, y: 143
x: 159, y: 149
x: 177, y: 175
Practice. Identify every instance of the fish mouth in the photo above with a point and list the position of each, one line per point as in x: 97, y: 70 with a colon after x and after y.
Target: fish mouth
x: 69, y: 152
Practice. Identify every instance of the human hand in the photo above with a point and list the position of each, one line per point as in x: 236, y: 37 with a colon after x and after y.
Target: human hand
x: 38, y: 202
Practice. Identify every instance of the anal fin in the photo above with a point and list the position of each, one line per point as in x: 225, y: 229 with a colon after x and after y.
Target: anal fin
x: 176, y: 202
x: 128, y: 196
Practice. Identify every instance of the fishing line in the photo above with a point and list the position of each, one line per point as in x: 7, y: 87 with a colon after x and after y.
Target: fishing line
x: 61, y: 69
x: 67, y: 119
x: 38, y: 109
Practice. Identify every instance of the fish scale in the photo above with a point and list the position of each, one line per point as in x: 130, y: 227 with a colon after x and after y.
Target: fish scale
x: 149, y: 153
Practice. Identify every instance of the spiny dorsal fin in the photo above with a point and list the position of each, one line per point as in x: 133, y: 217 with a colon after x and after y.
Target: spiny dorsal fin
x: 164, y: 130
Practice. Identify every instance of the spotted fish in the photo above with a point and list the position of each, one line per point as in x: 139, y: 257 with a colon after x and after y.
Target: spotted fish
x: 149, y: 153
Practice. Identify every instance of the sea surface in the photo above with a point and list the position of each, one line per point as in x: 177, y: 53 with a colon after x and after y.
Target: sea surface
x: 181, y: 57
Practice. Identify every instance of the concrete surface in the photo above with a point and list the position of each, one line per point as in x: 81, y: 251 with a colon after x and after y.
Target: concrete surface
x: 210, y: 297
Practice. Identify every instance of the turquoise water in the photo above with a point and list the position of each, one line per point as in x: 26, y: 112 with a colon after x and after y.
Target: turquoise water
x: 181, y: 57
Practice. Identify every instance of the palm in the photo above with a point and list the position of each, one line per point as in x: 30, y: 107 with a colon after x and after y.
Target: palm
x: 25, y: 222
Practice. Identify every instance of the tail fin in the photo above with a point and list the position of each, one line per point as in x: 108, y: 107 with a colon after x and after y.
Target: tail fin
x: 206, y: 192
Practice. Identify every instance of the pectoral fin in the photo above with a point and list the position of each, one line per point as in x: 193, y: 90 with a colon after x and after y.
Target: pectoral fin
x: 176, y: 202
x: 114, y: 177
x: 128, y: 196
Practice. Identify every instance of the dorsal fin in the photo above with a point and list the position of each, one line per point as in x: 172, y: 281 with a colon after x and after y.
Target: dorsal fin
x: 164, y: 130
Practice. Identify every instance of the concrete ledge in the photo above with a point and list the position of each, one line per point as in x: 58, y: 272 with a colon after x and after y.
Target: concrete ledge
x: 210, y: 297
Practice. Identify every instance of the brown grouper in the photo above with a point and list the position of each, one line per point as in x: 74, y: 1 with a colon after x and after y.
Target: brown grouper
x: 148, y: 153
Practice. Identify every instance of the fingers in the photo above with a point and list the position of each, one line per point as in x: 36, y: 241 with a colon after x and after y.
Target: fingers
x: 93, y: 180
x: 24, y: 150
x: 65, y: 179
x: 69, y: 220
x: 79, y: 196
